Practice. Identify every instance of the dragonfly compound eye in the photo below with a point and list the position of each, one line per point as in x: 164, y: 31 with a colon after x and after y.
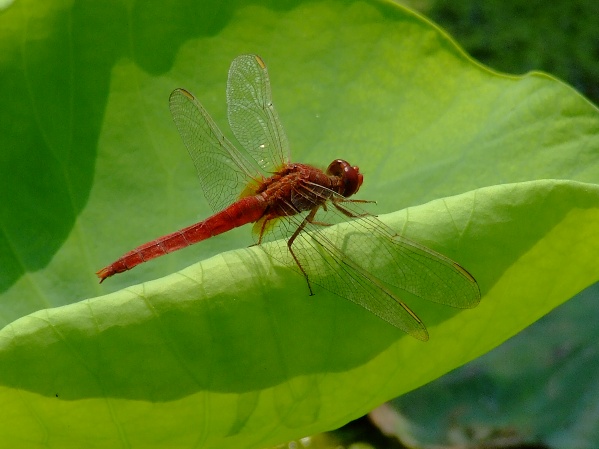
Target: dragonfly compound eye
x: 350, y: 176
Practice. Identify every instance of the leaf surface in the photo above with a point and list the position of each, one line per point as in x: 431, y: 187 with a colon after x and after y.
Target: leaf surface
x: 232, y: 351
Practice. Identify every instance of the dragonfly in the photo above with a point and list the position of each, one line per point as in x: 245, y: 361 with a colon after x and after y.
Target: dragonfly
x: 293, y: 206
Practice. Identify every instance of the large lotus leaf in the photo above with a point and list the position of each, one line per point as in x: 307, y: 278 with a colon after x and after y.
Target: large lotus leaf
x: 232, y: 351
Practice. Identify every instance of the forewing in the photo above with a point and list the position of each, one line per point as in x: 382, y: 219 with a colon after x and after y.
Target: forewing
x: 340, y: 265
x: 252, y: 115
x: 224, y: 172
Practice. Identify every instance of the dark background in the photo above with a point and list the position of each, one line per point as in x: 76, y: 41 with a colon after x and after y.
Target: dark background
x: 516, y: 36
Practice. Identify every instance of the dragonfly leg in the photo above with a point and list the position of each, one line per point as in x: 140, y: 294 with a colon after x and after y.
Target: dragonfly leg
x: 352, y: 200
x: 299, y: 229
x: 262, y: 229
x: 321, y: 223
x: 308, y: 219
x: 348, y: 213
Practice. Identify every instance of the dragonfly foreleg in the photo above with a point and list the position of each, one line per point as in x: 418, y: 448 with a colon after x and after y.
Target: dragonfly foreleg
x: 351, y: 200
x: 321, y: 223
x: 349, y: 213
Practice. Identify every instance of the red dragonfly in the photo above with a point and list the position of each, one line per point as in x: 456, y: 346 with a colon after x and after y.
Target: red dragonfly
x: 296, y: 203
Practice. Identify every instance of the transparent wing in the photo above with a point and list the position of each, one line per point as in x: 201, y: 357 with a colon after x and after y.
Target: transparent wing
x: 224, y: 172
x: 358, y: 267
x: 252, y: 115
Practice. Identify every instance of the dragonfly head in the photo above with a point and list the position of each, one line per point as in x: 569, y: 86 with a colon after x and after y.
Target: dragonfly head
x: 351, y: 178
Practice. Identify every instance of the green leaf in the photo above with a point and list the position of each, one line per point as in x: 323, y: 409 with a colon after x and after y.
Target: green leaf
x: 232, y: 351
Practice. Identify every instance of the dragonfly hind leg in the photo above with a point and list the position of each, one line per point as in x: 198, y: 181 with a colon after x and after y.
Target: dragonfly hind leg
x: 309, y: 219
x: 262, y: 225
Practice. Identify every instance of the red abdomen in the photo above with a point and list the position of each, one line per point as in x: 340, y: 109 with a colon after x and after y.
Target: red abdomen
x: 246, y: 210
